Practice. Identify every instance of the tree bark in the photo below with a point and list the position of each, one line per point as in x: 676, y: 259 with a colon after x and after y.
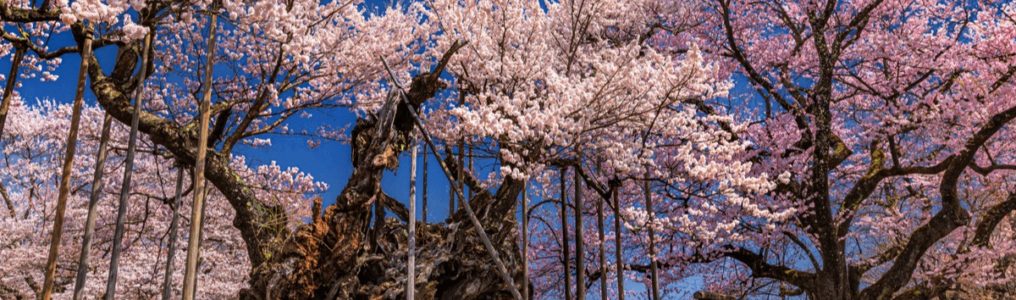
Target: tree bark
x: 654, y: 280
x: 8, y: 202
x: 12, y: 79
x: 330, y: 256
x: 333, y: 258
x: 525, y: 242
x: 602, y: 248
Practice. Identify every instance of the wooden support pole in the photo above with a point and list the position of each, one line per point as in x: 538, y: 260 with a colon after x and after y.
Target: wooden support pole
x: 125, y: 187
x: 502, y: 270
x: 451, y: 192
x: 463, y: 199
x: 197, y: 209
x: 65, y: 171
x: 424, y: 204
x: 93, y: 202
x: 167, y: 279
x: 411, y: 261
x: 469, y: 167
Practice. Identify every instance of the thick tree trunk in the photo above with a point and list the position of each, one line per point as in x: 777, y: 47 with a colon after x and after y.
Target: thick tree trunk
x: 335, y: 258
x: 331, y: 257
x: 262, y: 226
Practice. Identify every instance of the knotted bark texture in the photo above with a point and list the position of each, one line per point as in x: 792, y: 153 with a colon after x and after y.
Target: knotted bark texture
x: 347, y: 254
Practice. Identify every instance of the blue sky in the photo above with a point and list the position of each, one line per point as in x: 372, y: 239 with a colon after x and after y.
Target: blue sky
x: 329, y: 162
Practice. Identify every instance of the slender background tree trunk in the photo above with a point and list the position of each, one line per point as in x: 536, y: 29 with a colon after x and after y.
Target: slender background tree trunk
x: 12, y: 79
x: 580, y: 256
x: 602, y: 248
x: 525, y: 241
x: 5, y: 104
x: 654, y: 281
x: 564, y: 237
x: 618, y: 251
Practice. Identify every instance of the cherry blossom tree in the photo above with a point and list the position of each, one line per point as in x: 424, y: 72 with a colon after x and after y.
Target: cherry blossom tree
x: 833, y: 149
x: 34, y: 145
x: 592, y: 85
x: 535, y: 84
x: 886, y: 125
x: 891, y: 121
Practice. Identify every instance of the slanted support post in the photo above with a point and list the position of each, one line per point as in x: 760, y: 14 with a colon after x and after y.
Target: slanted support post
x: 502, y: 270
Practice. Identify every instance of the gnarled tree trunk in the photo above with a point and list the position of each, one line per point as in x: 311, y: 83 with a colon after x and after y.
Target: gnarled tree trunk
x: 335, y: 258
